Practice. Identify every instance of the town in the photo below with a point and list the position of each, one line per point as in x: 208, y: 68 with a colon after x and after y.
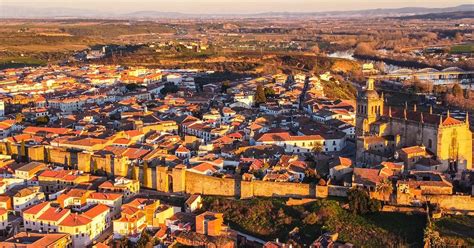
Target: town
x: 85, y: 148
x: 272, y: 130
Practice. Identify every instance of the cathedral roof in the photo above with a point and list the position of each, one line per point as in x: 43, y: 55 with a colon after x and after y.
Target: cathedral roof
x: 451, y: 121
x: 412, y: 115
x: 417, y: 116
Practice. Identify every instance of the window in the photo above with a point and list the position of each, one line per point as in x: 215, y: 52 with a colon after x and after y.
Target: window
x: 430, y: 144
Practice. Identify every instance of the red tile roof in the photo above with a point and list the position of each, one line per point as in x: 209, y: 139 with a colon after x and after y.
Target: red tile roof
x: 96, y: 210
x: 75, y: 220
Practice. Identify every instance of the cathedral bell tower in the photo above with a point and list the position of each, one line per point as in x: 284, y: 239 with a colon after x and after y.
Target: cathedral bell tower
x: 369, y: 108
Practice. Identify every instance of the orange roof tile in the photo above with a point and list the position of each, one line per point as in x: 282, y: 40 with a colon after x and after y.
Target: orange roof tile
x: 75, y: 220
x: 96, y: 210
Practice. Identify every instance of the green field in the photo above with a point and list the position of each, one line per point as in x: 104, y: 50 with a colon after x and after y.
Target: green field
x: 466, y: 48
x: 16, y: 62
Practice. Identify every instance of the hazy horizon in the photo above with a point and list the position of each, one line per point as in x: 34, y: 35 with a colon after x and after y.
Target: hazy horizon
x: 228, y: 6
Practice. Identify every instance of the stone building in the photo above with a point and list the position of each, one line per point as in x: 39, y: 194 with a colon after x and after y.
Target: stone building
x: 382, y: 130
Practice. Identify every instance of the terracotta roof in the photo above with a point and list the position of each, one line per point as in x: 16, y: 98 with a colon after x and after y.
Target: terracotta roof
x: 413, y: 149
x: 285, y: 136
x: 367, y: 176
x: 182, y: 149
x: 34, y: 130
x: 31, y: 239
x: 75, y: 220
x: 36, y: 208
x: 96, y: 210
x: 203, y: 167
x: 451, y: 121
x: 54, y: 214
x: 105, y: 196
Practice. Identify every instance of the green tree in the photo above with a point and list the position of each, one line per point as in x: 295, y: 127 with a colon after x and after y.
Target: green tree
x: 360, y: 202
x: 260, y: 94
x: 385, y: 188
x: 269, y: 92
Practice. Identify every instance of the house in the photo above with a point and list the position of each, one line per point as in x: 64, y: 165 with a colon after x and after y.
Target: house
x: 303, y: 143
x: 209, y: 223
x: 130, y: 224
x: 43, y: 217
x: 74, y: 198
x: 128, y: 187
x: 204, y: 169
x: 193, y: 203
x: 162, y: 213
x: 27, y: 197
x: 370, y: 178
x: 32, y: 240
x: 3, y: 219
x: 86, y: 227
x: 112, y: 200
x: 30, y: 170
x: 339, y: 167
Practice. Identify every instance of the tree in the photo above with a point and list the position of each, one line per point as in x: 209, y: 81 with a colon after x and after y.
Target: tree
x: 269, y: 92
x: 458, y: 37
x: 144, y: 240
x: 315, y: 49
x: 225, y: 85
x: 457, y: 90
x: 169, y: 88
x: 317, y: 148
x: 360, y: 202
x: 260, y: 94
x: 431, y: 237
x: 364, y: 48
x: 385, y: 188
x: 19, y: 118
x: 42, y: 120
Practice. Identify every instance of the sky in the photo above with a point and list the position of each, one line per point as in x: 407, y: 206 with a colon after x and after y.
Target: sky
x: 230, y: 6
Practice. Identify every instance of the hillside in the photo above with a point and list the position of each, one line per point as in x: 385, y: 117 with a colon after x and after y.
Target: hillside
x: 444, y: 15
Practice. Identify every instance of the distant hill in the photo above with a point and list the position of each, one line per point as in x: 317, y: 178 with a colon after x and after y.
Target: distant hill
x: 444, y: 15
x: 373, y: 12
x: 34, y: 12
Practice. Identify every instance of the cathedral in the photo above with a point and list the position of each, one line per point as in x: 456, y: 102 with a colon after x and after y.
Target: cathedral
x: 382, y: 132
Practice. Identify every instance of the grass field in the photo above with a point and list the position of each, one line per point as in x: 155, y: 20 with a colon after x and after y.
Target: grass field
x: 466, y: 48
x: 14, y: 62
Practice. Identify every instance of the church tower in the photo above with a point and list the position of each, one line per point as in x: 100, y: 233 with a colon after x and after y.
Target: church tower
x: 369, y: 108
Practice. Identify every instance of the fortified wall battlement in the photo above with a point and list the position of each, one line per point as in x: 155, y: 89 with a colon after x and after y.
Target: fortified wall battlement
x: 182, y: 181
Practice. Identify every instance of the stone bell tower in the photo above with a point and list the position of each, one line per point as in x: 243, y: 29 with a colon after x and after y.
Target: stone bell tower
x: 369, y: 108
